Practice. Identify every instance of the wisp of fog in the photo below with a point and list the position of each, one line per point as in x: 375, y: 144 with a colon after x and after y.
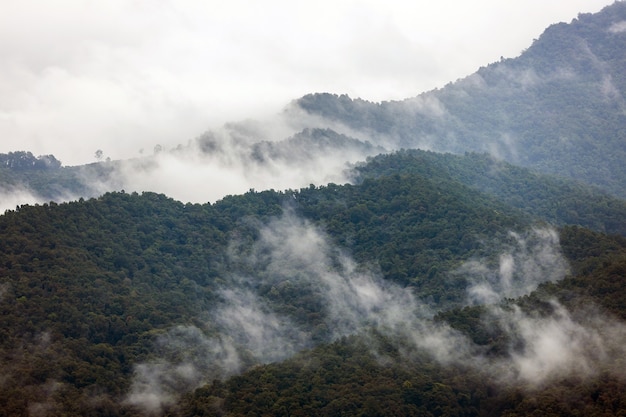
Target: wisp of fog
x: 251, y: 325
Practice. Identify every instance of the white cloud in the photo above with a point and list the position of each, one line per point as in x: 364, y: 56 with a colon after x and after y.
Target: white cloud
x: 527, y: 261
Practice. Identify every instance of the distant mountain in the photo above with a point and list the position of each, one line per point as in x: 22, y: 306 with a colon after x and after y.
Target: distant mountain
x: 315, y: 154
x: 311, y: 143
x: 559, y: 107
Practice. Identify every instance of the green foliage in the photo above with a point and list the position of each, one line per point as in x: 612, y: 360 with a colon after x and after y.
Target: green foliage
x: 87, y: 288
x: 414, y: 227
x: 553, y: 199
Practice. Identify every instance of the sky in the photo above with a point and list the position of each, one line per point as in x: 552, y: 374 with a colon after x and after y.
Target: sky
x: 125, y: 75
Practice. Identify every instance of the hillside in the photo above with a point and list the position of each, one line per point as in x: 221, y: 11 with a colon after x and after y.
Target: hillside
x: 555, y: 199
x: 129, y: 302
x: 558, y: 107
x: 557, y: 351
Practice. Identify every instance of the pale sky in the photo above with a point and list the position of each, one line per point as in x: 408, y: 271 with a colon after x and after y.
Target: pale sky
x: 125, y: 75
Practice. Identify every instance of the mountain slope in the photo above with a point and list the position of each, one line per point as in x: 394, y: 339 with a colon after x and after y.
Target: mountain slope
x: 97, y: 295
x: 121, y: 304
x: 377, y: 375
x: 240, y: 152
x: 554, y: 199
x: 559, y: 107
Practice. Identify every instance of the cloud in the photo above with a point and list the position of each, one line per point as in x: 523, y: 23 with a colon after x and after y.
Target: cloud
x: 266, y: 335
x: 235, y: 159
x: 560, y: 344
x: 12, y: 197
x: 618, y: 27
x: 185, y: 358
x: 528, y: 260
x: 292, y: 288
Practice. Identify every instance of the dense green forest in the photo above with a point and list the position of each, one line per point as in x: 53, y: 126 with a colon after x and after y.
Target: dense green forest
x: 373, y: 375
x: 320, y: 301
x: 555, y: 199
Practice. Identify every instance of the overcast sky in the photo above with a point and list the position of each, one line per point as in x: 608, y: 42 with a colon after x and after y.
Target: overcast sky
x: 122, y: 76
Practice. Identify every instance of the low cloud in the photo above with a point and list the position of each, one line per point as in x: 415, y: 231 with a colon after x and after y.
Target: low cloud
x: 186, y: 358
x: 293, y: 270
x: 10, y: 198
x: 267, y: 336
x: 238, y: 158
x: 528, y: 260
x: 548, y: 347
x: 618, y: 27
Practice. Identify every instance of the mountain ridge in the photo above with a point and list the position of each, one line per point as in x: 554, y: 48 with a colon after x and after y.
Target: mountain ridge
x: 558, y: 107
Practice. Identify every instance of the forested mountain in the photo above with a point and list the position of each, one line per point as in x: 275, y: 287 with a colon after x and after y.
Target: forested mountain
x: 554, y: 199
x: 559, y: 107
x: 487, y: 280
x: 373, y: 293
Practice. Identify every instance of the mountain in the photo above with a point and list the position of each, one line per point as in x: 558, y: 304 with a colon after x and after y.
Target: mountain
x: 480, y: 275
x: 373, y: 375
x: 554, y: 199
x: 241, y: 151
x: 559, y: 107
x: 132, y: 303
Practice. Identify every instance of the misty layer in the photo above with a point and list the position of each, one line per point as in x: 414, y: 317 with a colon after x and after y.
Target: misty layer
x: 233, y: 160
x: 560, y: 344
x: 292, y: 289
x: 13, y: 197
x: 522, y: 264
x: 186, y: 359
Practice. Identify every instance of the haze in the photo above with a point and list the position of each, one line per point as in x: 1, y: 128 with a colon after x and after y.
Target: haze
x: 122, y: 76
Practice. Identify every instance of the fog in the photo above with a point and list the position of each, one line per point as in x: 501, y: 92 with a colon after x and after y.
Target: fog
x: 127, y: 80
x: 277, y: 153
x: 295, y: 260
x: 524, y: 263
x: 125, y: 76
x: 12, y: 197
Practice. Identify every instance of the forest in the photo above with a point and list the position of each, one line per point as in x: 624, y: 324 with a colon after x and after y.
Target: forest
x: 406, y: 293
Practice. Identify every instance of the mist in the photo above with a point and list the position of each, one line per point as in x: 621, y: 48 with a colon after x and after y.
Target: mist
x: 560, y: 344
x: 294, y: 265
x: 12, y: 197
x: 278, y: 153
x: 522, y: 264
